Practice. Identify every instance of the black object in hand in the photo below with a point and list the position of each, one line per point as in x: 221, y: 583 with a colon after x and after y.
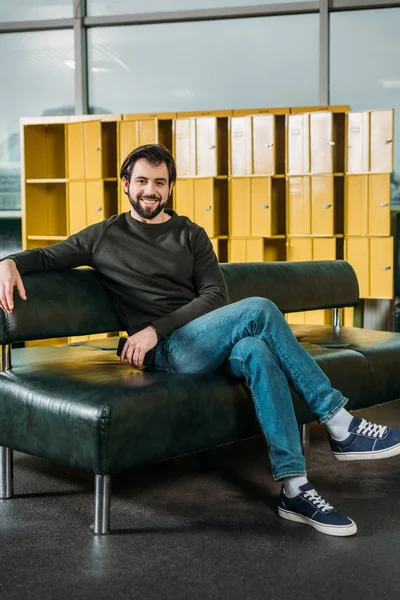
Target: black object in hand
x: 148, y: 357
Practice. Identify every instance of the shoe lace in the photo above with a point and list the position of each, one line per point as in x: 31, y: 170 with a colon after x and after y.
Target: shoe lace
x: 371, y: 429
x: 318, y: 501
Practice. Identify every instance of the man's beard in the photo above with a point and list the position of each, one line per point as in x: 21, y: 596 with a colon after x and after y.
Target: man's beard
x: 144, y: 211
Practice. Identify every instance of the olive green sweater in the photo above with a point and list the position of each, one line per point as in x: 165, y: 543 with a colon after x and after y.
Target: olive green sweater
x: 163, y: 274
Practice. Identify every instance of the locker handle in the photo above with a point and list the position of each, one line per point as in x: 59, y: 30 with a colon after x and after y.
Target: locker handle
x: 211, y: 147
x: 268, y: 145
x: 387, y: 268
x: 389, y: 141
x: 207, y: 207
x: 384, y: 204
x: 98, y: 208
x: 264, y: 205
x: 331, y: 143
x: 327, y: 206
x: 99, y: 149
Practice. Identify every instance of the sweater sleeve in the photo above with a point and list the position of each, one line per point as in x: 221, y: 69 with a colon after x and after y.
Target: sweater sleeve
x: 209, y: 283
x: 75, y: 251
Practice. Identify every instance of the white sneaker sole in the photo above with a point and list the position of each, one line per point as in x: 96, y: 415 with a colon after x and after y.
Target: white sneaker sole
x: 338, y: 530
x: 373, y: 455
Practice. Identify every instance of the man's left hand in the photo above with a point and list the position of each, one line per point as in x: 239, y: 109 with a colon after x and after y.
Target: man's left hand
x: 137, y: 345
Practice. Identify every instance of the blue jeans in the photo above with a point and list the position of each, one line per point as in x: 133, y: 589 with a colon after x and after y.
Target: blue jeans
x: 252, y: 340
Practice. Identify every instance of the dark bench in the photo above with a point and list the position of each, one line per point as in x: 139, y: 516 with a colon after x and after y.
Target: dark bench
x: 79, y: 405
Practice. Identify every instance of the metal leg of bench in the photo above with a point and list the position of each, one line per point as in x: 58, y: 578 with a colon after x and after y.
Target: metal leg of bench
x: 102, y: 503
x: 6, y: 472
x: 305, y: 443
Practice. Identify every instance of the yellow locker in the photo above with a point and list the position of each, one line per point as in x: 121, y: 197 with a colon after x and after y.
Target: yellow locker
x: 256, y: 250
x: 262, y: 209
x: 379, y: 204
x: 185, y: 147
x: 356, y: 205
x: 147, y: 132
x: 128, y: 139
x: 321, y: 142
x: 264, y: 145
x: 240, y: 207
x: 381, y: 267
x: 298, y: 206
x: 357, y: 254
x: 211, y: 205
x: 93, y: 150
x: 298, y: 144
x: 184, y: 198
x: 44, y: 151
x: 322, y: 205
x: 299, y: 249
x: 381, y: 141
x: 76, y: 206
x: 241, y: 156
x: 101, y: 201
x: 46, y: 209
x: 75, y: 153
x: 357, y: 148
x: 237, y: 250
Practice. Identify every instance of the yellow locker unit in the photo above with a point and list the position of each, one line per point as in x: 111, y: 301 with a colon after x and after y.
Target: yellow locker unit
x: 367, y: 204
x: 256, y: 207
x: 314, y: 205
x: 204, y: 201
x: 372, y: 260
x: 315, y: 143
x: 306, y: 248
x: 369, y: 141
x: 256, y: 249
x: 91, y: 149
x: 201, y: 146
x: 257, y: 145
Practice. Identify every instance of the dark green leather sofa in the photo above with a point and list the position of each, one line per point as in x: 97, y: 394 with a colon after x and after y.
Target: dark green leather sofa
x: 79, y: 405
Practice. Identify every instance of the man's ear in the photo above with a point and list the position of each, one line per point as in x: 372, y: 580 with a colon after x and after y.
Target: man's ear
x: 125, y: 183
x: 171, y: 187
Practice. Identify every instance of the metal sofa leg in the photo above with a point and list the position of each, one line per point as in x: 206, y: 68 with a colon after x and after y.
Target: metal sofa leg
x: 6, y: 472
x: 305, y: 443
x: 102, y: 503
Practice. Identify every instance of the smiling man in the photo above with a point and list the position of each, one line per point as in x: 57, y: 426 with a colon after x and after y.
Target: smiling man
x: 170, y: 296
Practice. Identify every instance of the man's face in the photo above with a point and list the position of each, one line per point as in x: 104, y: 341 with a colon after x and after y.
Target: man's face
x: 148, y: 190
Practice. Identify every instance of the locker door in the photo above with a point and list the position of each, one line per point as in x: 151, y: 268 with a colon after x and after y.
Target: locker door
x: 148, y: 133
x: 239, y: 207
x: 321, y: 142
x: 237, y: 250
x: 185, y: 147
x: 204, y: 206
x: 255, y: 250
x: 299, y: 249
x: 357, y: 254
x: 128, y: 138
x: 298, y: 144
x: 93, y: 150
x: 356, y: 205
x: 95, y: 205
x: 75, y: 156
x: 264, y: 145
x: 322, y: 206
x: 382, y: 141
x: 206, y: 147
x: 241, y: 146
x: 76, y: 206
x: 381, y: 267
x: 357, y: 142
x: 379, y: 204
x: 261, y: 207
x: 184, y: 198
x: 298, y: 208
x: 324, y: 249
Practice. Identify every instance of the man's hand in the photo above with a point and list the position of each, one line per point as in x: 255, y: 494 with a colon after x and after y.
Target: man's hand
x: 9, y: 279
x: 137, y: 345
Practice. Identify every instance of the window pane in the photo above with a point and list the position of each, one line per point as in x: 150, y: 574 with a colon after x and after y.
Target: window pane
x: 125, y: 7
x: 27, y: 10
x: 275, y: 64
x: 39, y: 78
x: 364, y: 74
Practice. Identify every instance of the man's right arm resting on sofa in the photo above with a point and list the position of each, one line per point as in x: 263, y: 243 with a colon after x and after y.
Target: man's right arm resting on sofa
x: 75, y: 251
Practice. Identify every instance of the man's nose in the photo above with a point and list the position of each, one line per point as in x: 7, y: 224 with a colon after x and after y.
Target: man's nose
x: 150, y: 188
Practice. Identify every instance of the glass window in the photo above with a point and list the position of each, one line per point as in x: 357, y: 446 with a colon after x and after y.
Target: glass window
x: 27, y: 10
x: 126, y: 7
x: 243, y: 63
x: 365, y: 68
x: 38, y: 77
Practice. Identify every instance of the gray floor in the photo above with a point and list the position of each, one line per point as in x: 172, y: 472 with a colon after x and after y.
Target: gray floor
x: 200, y: 529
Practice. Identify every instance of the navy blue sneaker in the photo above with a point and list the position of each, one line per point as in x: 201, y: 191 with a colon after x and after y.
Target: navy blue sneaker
x: 309, y: 508
x: 366, y: 441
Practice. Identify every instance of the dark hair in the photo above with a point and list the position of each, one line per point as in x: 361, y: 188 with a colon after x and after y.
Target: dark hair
x: 155, y: 154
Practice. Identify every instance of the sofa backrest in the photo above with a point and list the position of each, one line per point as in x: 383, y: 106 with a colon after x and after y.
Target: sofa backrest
x: 74, y: 302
